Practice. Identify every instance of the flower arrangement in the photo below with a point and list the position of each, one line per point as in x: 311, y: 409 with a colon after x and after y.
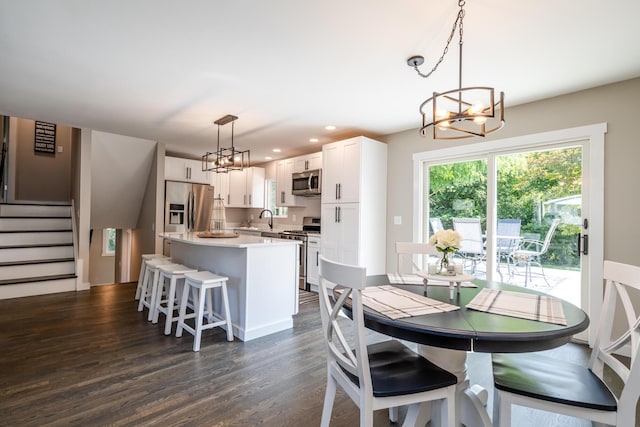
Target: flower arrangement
x: 447, y: 242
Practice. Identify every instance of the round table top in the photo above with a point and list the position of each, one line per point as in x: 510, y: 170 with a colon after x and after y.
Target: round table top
x: 445, y: 277
x: 472, y: 330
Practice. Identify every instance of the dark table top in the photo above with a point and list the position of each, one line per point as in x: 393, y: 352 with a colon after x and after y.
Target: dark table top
x: 472, y: 330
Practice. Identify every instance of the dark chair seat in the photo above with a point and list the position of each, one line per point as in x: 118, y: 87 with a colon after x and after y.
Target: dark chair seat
x: 542, y: 377
x: 397, y: 370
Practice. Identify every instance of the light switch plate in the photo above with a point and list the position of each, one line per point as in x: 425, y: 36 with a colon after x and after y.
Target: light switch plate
x: 397, y: 220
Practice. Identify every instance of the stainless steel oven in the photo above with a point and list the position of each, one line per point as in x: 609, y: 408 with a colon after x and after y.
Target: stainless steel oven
x: 309, y: 225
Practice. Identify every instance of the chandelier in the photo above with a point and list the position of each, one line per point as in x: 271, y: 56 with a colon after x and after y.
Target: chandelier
x: 462, y: 112
x: 226, y: 159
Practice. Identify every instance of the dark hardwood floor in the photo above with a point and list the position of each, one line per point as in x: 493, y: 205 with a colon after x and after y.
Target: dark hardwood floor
x: 91, y: 359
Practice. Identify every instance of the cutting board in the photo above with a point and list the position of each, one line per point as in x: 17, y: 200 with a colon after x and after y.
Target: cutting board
x: 208, y: 234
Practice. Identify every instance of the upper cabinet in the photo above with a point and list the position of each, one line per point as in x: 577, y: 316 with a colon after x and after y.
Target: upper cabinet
x: 284, y: 170
x: 308, y: 162
x: 246, y: 188
x: 178, y: 169
x: 341, y: 171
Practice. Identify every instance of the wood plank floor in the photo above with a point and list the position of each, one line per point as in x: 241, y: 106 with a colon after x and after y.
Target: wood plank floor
x: 90, y: 359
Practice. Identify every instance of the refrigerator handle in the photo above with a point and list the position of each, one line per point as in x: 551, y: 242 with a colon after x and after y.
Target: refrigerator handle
x: 188, y: 213
x: 193, y: 210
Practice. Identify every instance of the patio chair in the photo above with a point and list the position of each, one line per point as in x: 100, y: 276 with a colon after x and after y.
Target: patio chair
x: 472, y: 245
x: 386, y: 374
x: 529, y: 253
x: 436, y: 225
x: 539, y: 381
x: 508, y: 232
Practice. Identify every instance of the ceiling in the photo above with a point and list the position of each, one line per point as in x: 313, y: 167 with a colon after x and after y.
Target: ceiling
x: 165, y: 70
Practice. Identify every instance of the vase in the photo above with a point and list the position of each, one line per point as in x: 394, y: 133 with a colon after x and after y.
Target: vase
x: 445, y: 264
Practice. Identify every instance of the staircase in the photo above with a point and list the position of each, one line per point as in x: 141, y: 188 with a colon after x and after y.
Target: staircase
x: 37, y: 255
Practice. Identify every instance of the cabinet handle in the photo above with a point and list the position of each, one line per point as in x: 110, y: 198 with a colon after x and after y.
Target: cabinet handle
x: 282, y: 197
x: 317, y: 258
x: 340, y: 191
x: 335, y: 214
x: 250, y: 200
x: 244, y: 199
x: 306, y: 164
x: 337, y: 197
x: 228, y: 199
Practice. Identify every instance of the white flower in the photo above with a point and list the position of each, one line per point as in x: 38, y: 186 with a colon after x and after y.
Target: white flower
x: 446, y: 240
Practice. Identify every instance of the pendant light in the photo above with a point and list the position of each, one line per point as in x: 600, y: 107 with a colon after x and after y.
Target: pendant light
x: 224, y: 160
x: 463, y: 112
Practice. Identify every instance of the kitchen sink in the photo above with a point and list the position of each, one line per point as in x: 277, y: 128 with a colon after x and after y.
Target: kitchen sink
x: 271, y: 234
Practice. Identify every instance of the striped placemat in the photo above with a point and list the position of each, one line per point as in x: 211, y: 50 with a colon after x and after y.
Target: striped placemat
x: 519, y: 304
x: 397, y: 303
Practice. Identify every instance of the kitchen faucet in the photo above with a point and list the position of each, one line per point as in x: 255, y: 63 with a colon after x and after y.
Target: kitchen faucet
x: 270, y: 218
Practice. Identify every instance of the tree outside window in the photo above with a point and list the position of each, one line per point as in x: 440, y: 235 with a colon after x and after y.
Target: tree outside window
x: 109, y: 242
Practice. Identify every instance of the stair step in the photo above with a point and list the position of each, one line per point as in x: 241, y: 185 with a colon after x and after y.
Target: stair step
x: 35, y: 210
x: 37, y: 261
x: 29, y: 286
x: 11, y: 238
x: 40, y: 268
x: 34, y: 224
x: 35, y: 245
x: 12, y: 254
x: 37, y: 279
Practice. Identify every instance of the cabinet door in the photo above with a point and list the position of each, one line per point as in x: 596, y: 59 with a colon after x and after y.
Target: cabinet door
x: 331, y: 165
x: 349, y: 184
x: 341, y: 232
x: 299, y: 164
x: 237, y: 196
x: 195, y: 172
x: 313, y: 252
x: 221, y: 187
x: 284, y: 169
x: 314, y: 161
x: 255, y: 187
x: 175, y: 169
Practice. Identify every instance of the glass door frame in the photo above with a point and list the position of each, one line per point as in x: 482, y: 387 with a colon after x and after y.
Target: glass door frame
x: 592, y: 139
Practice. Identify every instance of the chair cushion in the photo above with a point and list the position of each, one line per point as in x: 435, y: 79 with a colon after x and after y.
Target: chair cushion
x: 396, y: 370
x: 545, y: 378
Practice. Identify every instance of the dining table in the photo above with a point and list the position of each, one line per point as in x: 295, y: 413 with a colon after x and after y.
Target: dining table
x: 446, y: 337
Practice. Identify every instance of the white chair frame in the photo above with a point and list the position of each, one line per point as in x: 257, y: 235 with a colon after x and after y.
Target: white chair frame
x: 619, y: 279
x: 529, y: 252
x: 411, y: 248
x: 342, y: 357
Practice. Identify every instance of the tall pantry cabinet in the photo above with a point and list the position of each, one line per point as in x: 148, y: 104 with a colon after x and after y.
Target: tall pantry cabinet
x: 354, y: 203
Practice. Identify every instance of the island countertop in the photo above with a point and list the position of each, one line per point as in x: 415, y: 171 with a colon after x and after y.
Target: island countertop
x: 242, y: 241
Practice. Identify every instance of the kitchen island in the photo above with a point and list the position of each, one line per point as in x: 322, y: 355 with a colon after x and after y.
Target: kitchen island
x: 262, y: 272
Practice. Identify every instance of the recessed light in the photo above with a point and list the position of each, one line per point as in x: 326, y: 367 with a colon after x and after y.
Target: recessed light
x: 313, y: 140
x: 330, y: 127
x: 268, y: 158
x: 276, y: 150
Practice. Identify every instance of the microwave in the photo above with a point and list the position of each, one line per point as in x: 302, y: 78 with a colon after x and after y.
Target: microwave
x: 307, y: 183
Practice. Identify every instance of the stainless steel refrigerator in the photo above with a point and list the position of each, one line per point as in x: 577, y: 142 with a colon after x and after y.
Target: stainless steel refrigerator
x: 187, y: 207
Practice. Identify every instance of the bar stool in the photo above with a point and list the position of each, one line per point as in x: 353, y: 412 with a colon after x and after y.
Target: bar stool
x: 143, y: 270
x: 150, y: 284
x: 202, y: 284
x: 172, y: 273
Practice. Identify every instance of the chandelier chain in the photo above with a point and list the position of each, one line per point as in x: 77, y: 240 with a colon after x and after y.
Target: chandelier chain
x: 457, y: 22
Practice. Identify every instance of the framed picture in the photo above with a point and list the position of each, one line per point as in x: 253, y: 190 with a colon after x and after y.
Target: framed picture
x: 45, y: 138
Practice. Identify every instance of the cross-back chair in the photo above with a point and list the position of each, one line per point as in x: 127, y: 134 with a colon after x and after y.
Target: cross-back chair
x: 538, y: 381
x: 405, y: 250
x: 377, y: 376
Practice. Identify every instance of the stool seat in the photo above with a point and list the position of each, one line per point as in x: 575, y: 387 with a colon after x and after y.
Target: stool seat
x: 174, y: 273
x: 150, y: 282
x: 201, y: 284
x: 143, y: 267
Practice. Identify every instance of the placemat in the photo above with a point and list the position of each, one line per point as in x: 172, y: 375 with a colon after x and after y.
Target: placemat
x: 397, y: 303
x: 542, y: 308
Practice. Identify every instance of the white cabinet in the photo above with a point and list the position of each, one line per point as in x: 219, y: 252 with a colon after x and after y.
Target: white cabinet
x: 313, y: 260
x: 178, y: 169
x: 220, y: 184
x: 308, y: 162
x: 246, y: 188
x: 354, y: 200
x: 284, y: 169
x: 341, y: 174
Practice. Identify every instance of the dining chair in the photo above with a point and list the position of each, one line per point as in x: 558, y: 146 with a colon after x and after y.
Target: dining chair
x: 436, y: 225
x: 382, y: 375
x: 508, y: 232
x: 529, y: 253
x: 405, y: 249
x: 538, y: 381
x: 472, y: 245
